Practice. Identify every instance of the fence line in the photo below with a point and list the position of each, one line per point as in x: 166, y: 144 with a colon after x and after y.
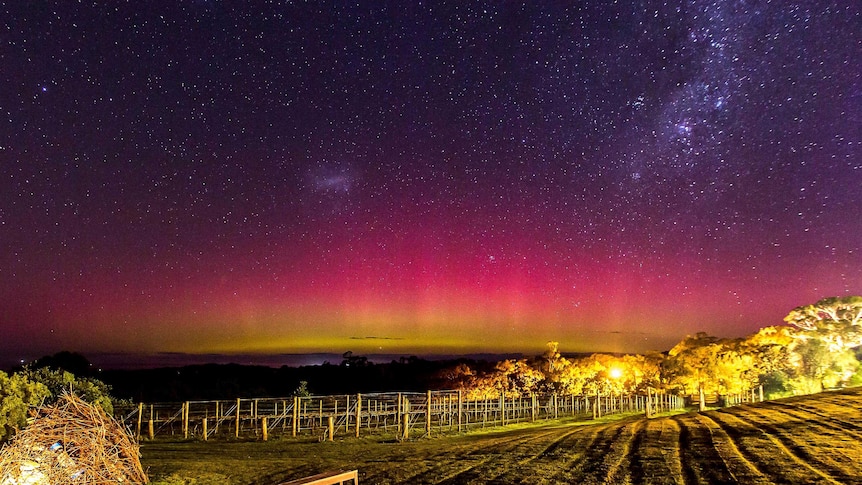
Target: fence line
x: 402, y: 414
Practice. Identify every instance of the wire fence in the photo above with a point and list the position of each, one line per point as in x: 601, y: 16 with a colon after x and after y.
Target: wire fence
x: 401, y: 415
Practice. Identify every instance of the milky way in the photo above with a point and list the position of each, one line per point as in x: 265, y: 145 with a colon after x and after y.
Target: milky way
x: 423, y: 176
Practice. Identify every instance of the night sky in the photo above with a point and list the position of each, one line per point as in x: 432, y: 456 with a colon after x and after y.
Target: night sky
x: 420, y: 177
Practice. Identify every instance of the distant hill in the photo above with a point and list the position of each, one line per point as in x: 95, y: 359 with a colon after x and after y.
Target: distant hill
x: 229, y: 381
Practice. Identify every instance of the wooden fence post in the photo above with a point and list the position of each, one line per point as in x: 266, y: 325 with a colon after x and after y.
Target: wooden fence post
x: 761, y: 392
x: 405, y: 426
x: 358, y: 413
x: 264, y: 430
x: 204, y: 427
x: 648, y: 402
x: 186, y: 420
x: 330, y: 423
x: 237, y: 416
x: 295, y: 416
x: 597, y: 410
x: 347, y: 414
x: 150, y: 430
x: 460, y: 408
x: 398, y: 413
x: 428, y: 413
x: 140, y: 418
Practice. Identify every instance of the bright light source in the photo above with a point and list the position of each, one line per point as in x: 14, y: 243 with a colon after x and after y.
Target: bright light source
x: 616, y: 373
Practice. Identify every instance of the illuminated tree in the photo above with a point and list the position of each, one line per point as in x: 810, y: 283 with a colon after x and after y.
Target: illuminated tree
x: 572, y: 377
x: 458, y: 377
x: 604, y: 374
x: 557, y: 370
x: 552, y: 357
x: 643, y: 370
x: 820, y: 367
x: 736, y: 367
x: 774, y: 358
x: 691, y: 365
x: 517, y: 378
x: 837, y: 321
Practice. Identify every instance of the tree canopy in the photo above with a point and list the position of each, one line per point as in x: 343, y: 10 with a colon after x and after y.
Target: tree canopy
x: 837, y: 321
x: 812, y: 354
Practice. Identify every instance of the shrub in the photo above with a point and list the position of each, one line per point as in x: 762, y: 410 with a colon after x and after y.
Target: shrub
x: 17, y: 395
x: 59, y: 381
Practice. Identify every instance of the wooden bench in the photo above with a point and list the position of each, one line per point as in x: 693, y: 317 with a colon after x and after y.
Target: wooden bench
x: 327, y: 478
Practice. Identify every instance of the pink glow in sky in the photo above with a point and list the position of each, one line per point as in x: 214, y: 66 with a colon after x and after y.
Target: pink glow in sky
x: 446, y: 177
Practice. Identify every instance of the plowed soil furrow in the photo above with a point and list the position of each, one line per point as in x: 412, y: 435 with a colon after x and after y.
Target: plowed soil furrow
x: 488, y: 455
x: 599, y: 457
x: 807, y: 416
x: 537, y: 464
x: 567, y: 454
x: 742, y: 469
x: 622, y: 468
x: 636, y: 457
x: 503, y: 442
x: 837, y: 401
x: 690, y: 472
x: 458, y: 458
x: 398, y: 467
x: 511, y: 463
x: 787, y: 416
x: 394, y: 472
x: 846, y: 417
x: 839, y: 398
x: 768, y: 453
x: 840, y: 403
x: 702, y: 462
x: 810, y: 442
x: 469, y: 473
x: 655, y: 454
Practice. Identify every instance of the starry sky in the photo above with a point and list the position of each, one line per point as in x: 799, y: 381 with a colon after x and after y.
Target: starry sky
x: 423, y: 176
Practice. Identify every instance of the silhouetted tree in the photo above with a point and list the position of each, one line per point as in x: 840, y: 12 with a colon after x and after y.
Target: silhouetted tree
x: 68, y: 361
x: 351, y: 360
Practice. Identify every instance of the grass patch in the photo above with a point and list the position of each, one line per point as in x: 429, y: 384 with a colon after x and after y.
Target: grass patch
x: 238, y: 462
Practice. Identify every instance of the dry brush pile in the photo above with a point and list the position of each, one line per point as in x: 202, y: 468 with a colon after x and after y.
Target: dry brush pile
x: 71, y: 442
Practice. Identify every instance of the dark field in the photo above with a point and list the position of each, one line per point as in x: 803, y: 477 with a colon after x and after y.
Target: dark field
x: 803, y: 440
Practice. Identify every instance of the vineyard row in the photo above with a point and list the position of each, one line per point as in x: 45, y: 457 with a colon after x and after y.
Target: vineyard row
x: 400, y: 414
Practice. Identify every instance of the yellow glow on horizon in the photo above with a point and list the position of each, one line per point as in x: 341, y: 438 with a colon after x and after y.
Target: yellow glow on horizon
x: 451, y: 327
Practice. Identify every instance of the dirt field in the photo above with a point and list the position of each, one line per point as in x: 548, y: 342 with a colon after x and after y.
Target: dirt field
x: 815, y: 439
